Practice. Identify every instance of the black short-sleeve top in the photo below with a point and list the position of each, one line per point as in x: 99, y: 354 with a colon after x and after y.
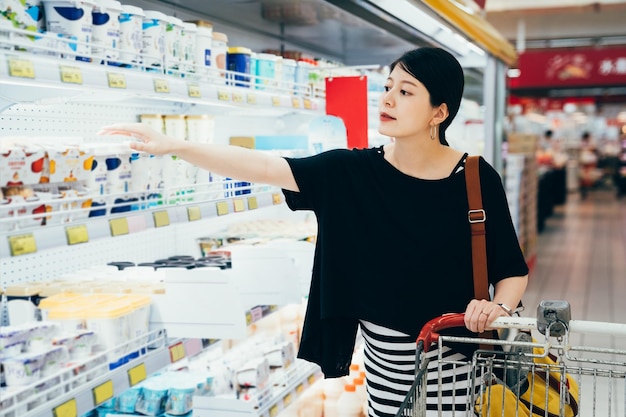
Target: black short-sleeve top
x: 394, y: 249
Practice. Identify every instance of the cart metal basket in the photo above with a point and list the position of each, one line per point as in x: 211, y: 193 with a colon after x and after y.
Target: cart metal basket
x: 597, y: 373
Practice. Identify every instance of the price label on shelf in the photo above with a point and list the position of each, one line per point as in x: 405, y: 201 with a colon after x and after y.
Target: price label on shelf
x: 103, y: 392
x: 194, y: 213
x: 251, y: 98
x: 295, y: 102
x: 161, y: 218
x: 256, y: 313
x: 237, y: 98
x: 299, y: 389
x: 71, y: 75
x: 248, y: 318
x: 137, y: 374
x: 239, y: 205
x: 274, y: 410
x: 22, y: 68
x: 222, y: 208
x: 252, y: 203
x: 311, y: 379
x: 223, y: 95
x: 276, y: 198
x: 194, y: 90
x: 77, y: 234
x: 275, y: 101
x: 307, y: 104
x: 119, y: 226
x: 177, y: 352
x: 161, y: 86
x: 287, y: 399
x: 22, y: 244
x: 116, y: 80
x: 67, y: 409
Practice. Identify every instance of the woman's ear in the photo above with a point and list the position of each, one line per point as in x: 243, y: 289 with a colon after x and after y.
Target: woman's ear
x: 441, y: 113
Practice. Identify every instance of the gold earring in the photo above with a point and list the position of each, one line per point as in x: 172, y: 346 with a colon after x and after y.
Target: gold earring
x: 433, y: 136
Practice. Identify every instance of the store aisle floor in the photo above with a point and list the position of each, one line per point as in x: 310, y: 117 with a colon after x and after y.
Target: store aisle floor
x: 581, y: 258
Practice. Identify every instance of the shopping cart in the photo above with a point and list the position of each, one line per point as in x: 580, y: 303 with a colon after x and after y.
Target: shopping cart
x: 597, y: 373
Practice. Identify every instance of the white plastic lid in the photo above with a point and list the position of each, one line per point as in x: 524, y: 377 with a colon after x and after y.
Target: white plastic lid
x: 290, y: 62
x: 269, y: 57
x: 138, y: 11
x: 176, y: 21
x: 112, y: 5
x: 153, y: 14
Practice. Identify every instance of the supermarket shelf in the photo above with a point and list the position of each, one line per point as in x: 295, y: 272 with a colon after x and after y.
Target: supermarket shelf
x: 267, y: 402
x: 33, y: 239
x: 40, y: 76
x: 89, y: 383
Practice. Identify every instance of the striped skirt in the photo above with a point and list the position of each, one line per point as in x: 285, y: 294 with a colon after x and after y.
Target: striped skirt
x: 389, y: 358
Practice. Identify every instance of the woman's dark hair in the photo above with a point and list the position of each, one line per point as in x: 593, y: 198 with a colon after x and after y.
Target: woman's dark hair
x: 442, y: 76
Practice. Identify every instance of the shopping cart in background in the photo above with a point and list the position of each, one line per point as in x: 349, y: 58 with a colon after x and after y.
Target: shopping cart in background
x: 523, y: 376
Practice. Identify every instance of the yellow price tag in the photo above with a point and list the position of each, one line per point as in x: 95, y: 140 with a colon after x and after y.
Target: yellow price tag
x: 311, y: 380
x: 276, y: 199
x: 295, y: 101
x: 252, y: 203
x: 71, y: 75
x: 119, y: 226
x: 161, y: 85
x: 287, y: 400
x: 103, y: 392
x: 237, y: 97
x: 307, y: 104
x: 137, y: 374
x: 223, y: 95
x: 239, y: 205
x: 222, y: 208
x: 194, y: 213
x: 248, y: 318
x: 67, y: 409
x: 275, y: 101
x: 251, y: 98
x: 274, y: 410
x: 194, y: 90
x: 177, y: 352
x: 161, y: 218
x: 116, y: 80
x: 22, y: 244
x: 77, y: 234
x: 299, y: 389
x: 22, y: 68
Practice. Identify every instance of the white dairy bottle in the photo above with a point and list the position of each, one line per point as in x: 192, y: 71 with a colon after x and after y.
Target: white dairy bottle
x: 349, y: 404
x: 332, y: 389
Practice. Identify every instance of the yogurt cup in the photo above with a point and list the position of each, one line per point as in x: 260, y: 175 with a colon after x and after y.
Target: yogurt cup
x: 173, y: 38
x: 106, y: 30
x: 24, y: 369
x: 153, y: 39
x: 71, y: 19
x: 189, y: 34
x: 131, y: 35
x: 203, y: 55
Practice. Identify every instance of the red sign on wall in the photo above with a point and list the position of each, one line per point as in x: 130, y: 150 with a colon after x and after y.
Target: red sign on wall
x: 571, y: 68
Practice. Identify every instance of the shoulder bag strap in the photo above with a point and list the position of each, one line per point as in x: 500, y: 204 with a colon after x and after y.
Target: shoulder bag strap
x: 476, y: 217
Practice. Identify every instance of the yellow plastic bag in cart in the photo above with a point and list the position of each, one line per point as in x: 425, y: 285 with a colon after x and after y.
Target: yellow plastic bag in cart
x: 499, y: 400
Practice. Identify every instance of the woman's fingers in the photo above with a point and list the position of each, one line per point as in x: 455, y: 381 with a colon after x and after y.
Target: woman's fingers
x: 480, y: 313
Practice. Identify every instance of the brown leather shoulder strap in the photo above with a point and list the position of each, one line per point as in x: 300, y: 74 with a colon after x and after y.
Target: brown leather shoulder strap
x: 477, y: 217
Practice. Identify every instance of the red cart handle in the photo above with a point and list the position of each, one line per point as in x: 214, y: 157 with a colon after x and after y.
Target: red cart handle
x: 430, y: 331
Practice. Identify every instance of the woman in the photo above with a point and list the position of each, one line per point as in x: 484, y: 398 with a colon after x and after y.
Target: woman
x: 393, y: 247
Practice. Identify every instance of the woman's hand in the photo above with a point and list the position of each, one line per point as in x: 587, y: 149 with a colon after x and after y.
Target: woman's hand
x: 480, y: 313
x: 149, y: 140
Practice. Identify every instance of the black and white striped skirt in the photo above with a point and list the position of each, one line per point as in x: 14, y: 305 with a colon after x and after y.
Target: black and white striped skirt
x: 389, y: 358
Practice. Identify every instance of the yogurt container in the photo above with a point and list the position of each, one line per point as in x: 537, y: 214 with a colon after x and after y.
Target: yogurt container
x: 188, y: 37
x: 265, y: 70
x: 238, y: 65
x: 131, y: 35
x: 219, y: 50
x: 153, y: 38
x: 105, y: 35
x: 71, y: 19
x: 173, y: 36
x: 200, y: 128
x: 23, y: 369
x: 203, y: 51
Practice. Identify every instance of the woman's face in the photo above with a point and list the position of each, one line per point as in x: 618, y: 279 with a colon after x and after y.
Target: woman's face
x: 404, y: 107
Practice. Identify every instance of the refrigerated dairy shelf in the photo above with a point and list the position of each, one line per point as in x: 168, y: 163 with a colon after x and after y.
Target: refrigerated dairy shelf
x: 39, y: 74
